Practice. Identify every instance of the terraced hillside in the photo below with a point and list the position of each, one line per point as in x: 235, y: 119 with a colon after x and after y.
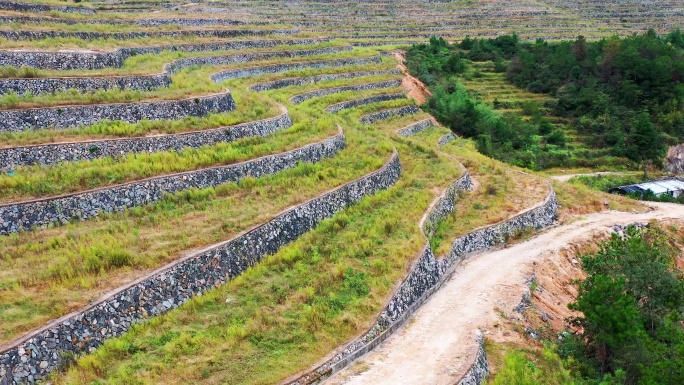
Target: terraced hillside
x: 240, y: 192
x: 492, y: 88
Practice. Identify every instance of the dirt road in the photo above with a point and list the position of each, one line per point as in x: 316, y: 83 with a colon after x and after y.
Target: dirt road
x: 565, y: 178
x: 436, y: 345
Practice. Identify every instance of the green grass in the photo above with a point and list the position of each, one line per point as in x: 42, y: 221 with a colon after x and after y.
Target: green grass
x: 502, y: 193
x: 64, y: 267
x: 291, y: 309
x: 39, y: 181
x: 605, y: 182
x: 526, y: 366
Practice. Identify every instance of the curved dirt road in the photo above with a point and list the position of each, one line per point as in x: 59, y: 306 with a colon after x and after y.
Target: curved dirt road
x: 437, y: 344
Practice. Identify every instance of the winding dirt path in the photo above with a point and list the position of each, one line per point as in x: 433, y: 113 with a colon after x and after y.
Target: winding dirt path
x: 565, y: 178
x: 437, y: 344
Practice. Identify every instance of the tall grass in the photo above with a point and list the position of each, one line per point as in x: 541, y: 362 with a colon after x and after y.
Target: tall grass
x: 67, y: 266
x: 291, y: 309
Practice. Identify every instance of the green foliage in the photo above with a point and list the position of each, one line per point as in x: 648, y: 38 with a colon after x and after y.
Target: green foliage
x: 607, y: 182
x: 533, y: 143
x: 632, y: 302
x: 506, y: 137
x: 604, y: 182
x: 626, y: 94
x: 497, y: 49
x: 430, y: 62
x: 645, y: 144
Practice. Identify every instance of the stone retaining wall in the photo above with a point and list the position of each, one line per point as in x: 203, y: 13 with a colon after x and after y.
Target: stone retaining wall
x: 297, y: 99
x: 363, y: 101
x: 199, y: 33
x: 429, y: 273
x: 399, y: 36
x: 446, y: 138
x: 479, y: 371
x: 415, y: 128
x: 220, y: 76
x: 181, y: 22
x: 89, y: 60
x: 64, y: 152
x: 36, y: 355
x: 381, y: 43
x: 445, y: 204
x: 145, y: 82
x: 484, y: 238
x: 37, y: 86
x: 282, y: 83
x: 31, y: 7
x: 20, y: 216
x: 82, y: 115
x: 386, y: 114
x: 180, y: 64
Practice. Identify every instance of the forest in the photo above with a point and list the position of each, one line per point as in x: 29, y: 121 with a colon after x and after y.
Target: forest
x: 624, y: 95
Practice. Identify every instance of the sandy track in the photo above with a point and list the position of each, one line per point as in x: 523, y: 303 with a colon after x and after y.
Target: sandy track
x: 437, y: 344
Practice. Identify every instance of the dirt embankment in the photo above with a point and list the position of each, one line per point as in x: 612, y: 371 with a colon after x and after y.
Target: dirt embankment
x: 415, y: 89
x: 436, y: 345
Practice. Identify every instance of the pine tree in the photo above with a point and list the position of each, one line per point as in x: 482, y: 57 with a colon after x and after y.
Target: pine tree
x: 645, y: 144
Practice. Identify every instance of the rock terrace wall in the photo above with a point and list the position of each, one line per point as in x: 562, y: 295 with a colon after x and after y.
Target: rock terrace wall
x: 144, y: 82
x: 444, y: 139
x: 382, y: 43
x: 482, y: 239
x: 37, y: 86
x: 178, y: 65
x: 280, y: 68
x: 36, y: 356
x: 82, y: 115
x: 20, y: 216
x: 386, y: 114
x: 199, y: 33
x: 282, y: 83
x: 297, y: 99
x: 415, y: 128
x: 181, y: 22
x: 64, y: 152
x: 363, y: 101
x: 479, y: 372
x: 30, y: 7
x: 89, y: 60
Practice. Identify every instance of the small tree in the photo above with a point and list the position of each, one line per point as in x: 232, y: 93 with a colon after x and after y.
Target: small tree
x: 645, y: 144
